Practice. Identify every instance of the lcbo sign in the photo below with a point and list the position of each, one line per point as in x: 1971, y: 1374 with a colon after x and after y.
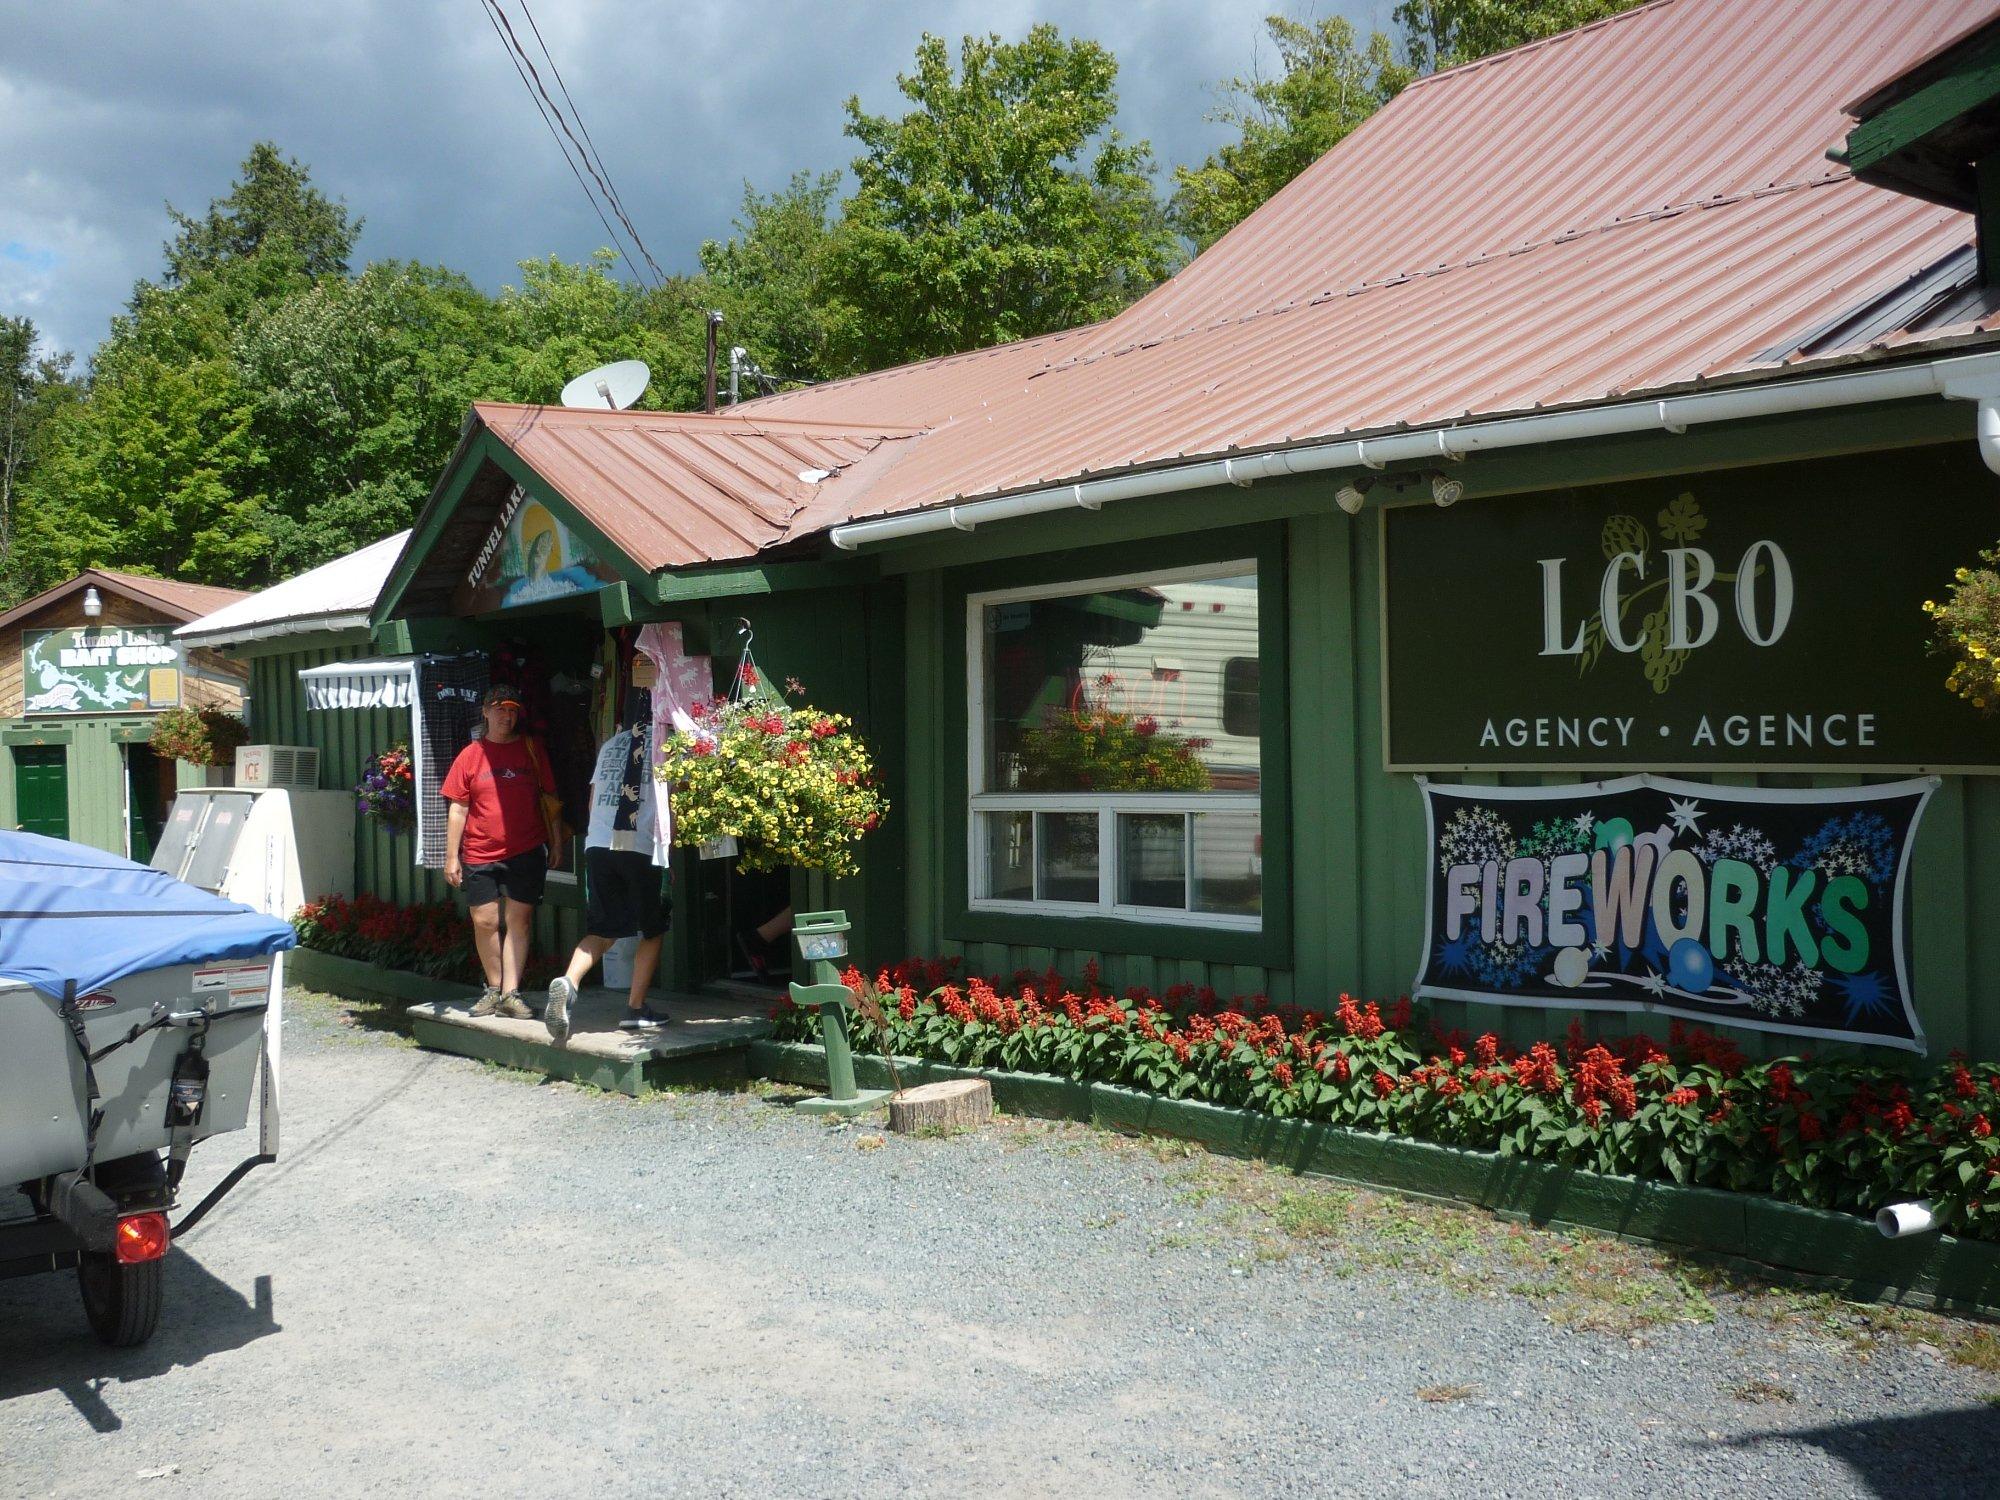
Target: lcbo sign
x: 1692, y: 617
x: 1759, y: 618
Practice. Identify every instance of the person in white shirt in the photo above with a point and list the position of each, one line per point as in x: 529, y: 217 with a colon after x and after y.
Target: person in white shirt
x: 623, y: 891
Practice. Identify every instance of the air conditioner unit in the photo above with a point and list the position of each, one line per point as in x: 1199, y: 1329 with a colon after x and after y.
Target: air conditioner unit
x: 266, y: 767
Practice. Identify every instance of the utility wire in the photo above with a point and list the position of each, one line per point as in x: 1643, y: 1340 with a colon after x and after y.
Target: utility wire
x: 562, y: 120
x: 603, y: 173
x: 495, y: 20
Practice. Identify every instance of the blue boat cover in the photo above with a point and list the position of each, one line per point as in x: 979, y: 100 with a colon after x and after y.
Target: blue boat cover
x: 72, y: 913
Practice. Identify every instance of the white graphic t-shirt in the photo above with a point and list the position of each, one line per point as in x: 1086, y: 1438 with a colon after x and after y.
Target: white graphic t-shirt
x: 622, y: 809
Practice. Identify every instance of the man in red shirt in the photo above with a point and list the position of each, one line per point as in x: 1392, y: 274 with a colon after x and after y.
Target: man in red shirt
x: 496, y: 845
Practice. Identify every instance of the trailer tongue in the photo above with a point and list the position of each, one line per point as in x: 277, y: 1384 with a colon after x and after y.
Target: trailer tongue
x: 135, y: 1012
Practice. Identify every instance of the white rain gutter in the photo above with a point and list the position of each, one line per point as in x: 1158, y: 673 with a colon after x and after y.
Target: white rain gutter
x: 1972, y: 377
x: 271, y: 629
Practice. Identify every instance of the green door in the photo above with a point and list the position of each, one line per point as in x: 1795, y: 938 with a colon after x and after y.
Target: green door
x: 41, y: 789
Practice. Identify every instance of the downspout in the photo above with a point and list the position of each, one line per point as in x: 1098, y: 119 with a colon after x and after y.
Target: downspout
x: 1973, y: 377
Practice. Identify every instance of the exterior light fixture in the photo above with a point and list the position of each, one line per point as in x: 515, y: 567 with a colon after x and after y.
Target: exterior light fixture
x: 1351, y: 496
x: 1446, y: 491
x: 93, y: 602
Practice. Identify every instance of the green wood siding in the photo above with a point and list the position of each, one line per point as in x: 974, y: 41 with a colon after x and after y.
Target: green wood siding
x: 1357, y: 832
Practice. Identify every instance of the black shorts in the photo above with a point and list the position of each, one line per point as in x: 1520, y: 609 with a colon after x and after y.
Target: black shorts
x: 518, y: 877
x: 623, y: 894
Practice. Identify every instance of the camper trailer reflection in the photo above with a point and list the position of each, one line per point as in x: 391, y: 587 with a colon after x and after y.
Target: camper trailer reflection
x: 1137, y: 705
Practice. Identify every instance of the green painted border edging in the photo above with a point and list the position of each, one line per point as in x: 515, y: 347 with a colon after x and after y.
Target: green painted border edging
x: 1839, y: 1249
x: 358, y: 980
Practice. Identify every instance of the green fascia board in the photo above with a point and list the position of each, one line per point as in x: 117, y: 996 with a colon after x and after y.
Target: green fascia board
x: 1826, y: 1247
x: 749, y: 579
x: 1971, y: 80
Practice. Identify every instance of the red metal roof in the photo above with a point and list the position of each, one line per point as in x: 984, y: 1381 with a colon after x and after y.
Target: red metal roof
x: 172, y: 598
x: 674, y: 488
x: 1640, y: 205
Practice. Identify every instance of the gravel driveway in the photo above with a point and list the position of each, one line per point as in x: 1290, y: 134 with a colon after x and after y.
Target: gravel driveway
x: 459, y: 1281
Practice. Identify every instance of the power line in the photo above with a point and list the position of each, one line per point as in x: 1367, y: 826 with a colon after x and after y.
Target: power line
x: 603, y: 172
x: 495, y: 19
x: 553, y: 109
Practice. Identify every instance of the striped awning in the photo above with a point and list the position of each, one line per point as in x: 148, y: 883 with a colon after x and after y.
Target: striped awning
x: 386, y: 682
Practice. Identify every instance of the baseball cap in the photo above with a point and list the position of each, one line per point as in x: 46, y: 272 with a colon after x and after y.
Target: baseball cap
x: 502, y: 693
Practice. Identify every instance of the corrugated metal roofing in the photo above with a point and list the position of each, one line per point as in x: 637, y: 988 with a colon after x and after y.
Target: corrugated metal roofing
x: 334, y: 595
x: 674, y: 488
x: 1637, y: 206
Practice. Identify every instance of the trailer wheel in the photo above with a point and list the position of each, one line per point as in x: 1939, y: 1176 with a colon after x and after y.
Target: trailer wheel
x: 121, y: 1301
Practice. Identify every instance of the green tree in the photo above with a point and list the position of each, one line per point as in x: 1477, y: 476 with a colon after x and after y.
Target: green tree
x: 1444, y: 33
x: 1000, y: 206
x: 1330, y: 80
x: 271, y: 209
x: 34, y: 387
x: 565, y: 318
x: 772, y: 281
x: 157, y: 471
x: 358, y: 388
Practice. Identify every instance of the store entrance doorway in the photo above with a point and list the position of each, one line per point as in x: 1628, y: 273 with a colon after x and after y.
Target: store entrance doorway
x: 731, y: 904
x: 149, y: 797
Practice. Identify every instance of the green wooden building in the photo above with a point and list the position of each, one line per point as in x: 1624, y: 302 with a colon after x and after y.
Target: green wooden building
x: 1526, y: 457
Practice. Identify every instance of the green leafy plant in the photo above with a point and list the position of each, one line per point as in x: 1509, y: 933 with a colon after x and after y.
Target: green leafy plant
x: 1967, y: 630
x: 199, y: 736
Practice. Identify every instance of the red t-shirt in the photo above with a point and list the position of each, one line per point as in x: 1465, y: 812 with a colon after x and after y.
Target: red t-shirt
x: 502, y: 797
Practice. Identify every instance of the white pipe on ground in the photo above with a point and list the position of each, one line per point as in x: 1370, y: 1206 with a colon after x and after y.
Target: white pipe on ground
x: 1974, y: 377
x: 1901, y: 1220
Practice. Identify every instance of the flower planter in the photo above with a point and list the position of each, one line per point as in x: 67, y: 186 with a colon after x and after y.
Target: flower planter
x: 1840, y: 1250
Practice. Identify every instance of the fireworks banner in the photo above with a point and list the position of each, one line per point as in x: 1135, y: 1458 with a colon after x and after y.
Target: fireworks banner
x: 1778, y: 910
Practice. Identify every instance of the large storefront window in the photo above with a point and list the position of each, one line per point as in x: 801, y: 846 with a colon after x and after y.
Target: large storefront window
x: 1117, y: 748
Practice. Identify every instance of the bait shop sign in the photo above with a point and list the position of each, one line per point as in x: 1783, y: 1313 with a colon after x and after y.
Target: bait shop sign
x: 1763, y: 618
x: 1777, y: 910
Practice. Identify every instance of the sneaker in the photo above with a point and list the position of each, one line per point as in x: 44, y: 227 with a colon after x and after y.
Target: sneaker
x: 488, y: 1001
x: 513, y: 1007
x: 645, y: 1020
x: 756, y: 952
x: 561, y: 995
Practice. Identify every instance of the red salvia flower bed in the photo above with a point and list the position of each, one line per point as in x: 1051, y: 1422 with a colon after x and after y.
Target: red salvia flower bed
x: 1836, y: 1133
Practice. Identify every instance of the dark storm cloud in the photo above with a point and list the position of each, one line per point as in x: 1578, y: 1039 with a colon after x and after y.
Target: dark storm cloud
x: 412, y: 113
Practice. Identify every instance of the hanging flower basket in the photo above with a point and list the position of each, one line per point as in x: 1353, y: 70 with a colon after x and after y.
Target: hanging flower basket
x: 793, y: 786
x: 387, y: 790
x: 199, y: 736
x: 1967, y: 630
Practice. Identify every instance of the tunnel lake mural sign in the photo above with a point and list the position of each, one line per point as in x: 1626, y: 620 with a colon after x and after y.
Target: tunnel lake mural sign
x: 1753, y: 619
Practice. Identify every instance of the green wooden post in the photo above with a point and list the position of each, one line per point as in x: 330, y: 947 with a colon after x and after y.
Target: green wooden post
x: 821, y: 937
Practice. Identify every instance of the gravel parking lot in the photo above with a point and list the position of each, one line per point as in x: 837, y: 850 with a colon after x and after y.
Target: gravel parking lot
x: 463, y: 1281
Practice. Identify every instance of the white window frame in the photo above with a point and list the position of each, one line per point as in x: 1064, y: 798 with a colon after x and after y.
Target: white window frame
x: 1107, y: 805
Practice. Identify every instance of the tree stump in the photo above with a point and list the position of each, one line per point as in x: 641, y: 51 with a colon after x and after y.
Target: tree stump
x: 957, y: 1104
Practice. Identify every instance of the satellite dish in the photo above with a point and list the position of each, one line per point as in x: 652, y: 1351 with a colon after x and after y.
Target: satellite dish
x: 611, y: 387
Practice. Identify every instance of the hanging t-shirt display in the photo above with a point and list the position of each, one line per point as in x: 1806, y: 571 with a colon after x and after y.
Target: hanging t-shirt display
x: 448, y: 693
x: 622, y: 805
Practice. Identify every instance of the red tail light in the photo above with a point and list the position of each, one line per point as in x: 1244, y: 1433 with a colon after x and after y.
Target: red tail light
x: 141, y: 1237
